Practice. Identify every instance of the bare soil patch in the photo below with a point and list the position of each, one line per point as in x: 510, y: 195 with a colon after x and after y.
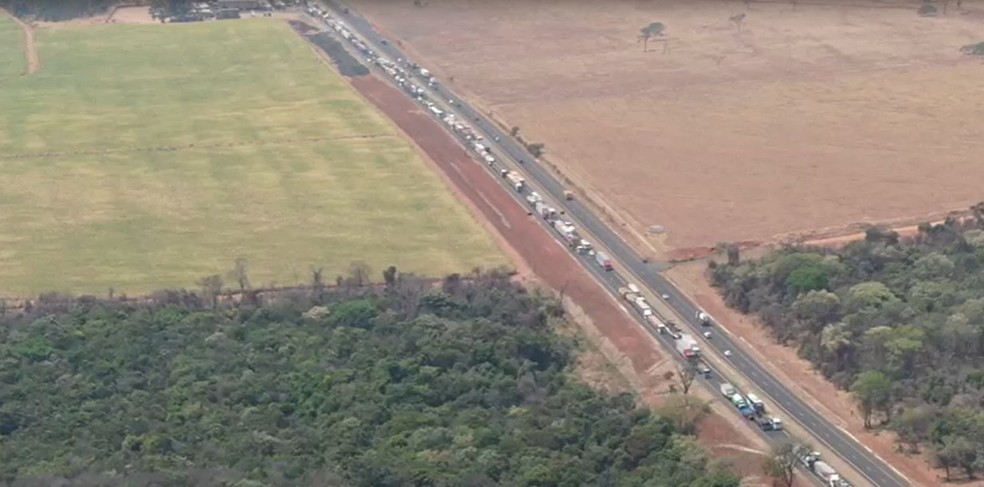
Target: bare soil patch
x: 799, y: 374
x: 813, y: 118
x: 130, y: 15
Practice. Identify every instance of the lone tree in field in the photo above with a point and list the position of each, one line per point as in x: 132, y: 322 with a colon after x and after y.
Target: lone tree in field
x: 655, y: 29
x: 240, y: 274
x: 687, y: 374
x: 737, y: 19
x: 781, y: 464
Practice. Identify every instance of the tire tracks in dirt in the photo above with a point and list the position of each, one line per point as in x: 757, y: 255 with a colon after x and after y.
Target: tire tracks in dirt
x: 30, y: 44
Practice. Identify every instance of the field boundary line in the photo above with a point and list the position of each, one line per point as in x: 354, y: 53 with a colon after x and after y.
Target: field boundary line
x: 186, y: 147
x: 30, y: 44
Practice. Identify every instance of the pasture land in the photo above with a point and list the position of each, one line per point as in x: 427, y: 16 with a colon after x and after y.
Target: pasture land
x: 12, y: 59
x: 144, y: 157
x: 832, y: 113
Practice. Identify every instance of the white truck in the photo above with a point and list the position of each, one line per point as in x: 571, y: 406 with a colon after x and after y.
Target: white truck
x: 604, y: 261
x: 655, y: 321
x: 703, y: 318
x: 756, y: 403
x: 728, y: 390
x: 516, y: 180
x: 562, y: 227
x: 687, y: 346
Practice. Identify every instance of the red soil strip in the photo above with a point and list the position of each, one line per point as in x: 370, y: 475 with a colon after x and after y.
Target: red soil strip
x: 550, y: 261
x: 535, y: 251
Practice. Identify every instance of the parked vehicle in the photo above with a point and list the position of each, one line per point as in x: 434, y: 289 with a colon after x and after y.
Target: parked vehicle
x: 687, y: 346
x: 742, y: 405
x: 756, y: 403
x: 703, y: 318
x: 604, y: 261
x: 769, y: 424
x: 728, y: 390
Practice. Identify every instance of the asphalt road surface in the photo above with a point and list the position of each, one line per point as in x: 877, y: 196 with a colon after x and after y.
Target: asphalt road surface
x: 850, y: 450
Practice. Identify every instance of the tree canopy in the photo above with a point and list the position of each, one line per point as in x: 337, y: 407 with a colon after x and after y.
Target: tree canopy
x: 463, y: 383
x: 55, y: 10
x: 899, y: 324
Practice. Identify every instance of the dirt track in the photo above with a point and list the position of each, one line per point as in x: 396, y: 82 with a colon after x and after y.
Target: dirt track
x: 624, y: 341
x: 30, y: 44
x: 547, y: 259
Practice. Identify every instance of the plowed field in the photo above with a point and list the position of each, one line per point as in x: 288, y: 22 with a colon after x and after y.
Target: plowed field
x: 810, y: 118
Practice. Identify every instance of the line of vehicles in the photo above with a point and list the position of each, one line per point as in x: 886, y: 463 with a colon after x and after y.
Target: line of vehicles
x: 751, y: 407
x: 812, y: 462
x: 748, y: 405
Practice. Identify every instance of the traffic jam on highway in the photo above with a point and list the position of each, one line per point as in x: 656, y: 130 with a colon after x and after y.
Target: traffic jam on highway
x: 416, y: 81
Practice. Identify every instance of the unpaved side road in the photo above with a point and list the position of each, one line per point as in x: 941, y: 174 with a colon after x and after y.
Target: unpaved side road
x: 30, y: 44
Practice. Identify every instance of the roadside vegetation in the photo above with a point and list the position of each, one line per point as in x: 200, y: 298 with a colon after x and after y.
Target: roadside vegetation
x: 55, y: 10
x: 899, y: 324
x: 462, y: 383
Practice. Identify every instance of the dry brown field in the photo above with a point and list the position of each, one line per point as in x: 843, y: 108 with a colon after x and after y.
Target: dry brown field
x: 817, y: 117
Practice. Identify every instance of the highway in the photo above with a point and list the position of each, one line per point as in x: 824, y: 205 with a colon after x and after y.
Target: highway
x: 541, y: 180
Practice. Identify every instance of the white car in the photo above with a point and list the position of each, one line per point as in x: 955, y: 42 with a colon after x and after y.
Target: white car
x: 707, y: 334
x: 727, y: 353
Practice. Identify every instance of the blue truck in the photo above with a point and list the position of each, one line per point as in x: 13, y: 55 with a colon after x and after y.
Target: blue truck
x: 742, y: 405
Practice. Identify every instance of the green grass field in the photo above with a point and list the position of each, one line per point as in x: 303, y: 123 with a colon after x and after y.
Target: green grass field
x: 12, y: 60
x: 145, y: 157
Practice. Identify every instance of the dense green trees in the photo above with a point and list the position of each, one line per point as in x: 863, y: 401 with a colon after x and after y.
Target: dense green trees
x: 459, y: 384
x: 55, y: 10
x: 901, y: 325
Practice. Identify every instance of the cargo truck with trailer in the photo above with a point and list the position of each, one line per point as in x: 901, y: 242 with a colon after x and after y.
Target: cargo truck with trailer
x: 811, y: 460
x: 562, y: 227
x: 742, y: 405
x: 757, y: 403
x: 687, y: 346
x: 517, y: 181
x: 604, y: 261
x: 655, y: 321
